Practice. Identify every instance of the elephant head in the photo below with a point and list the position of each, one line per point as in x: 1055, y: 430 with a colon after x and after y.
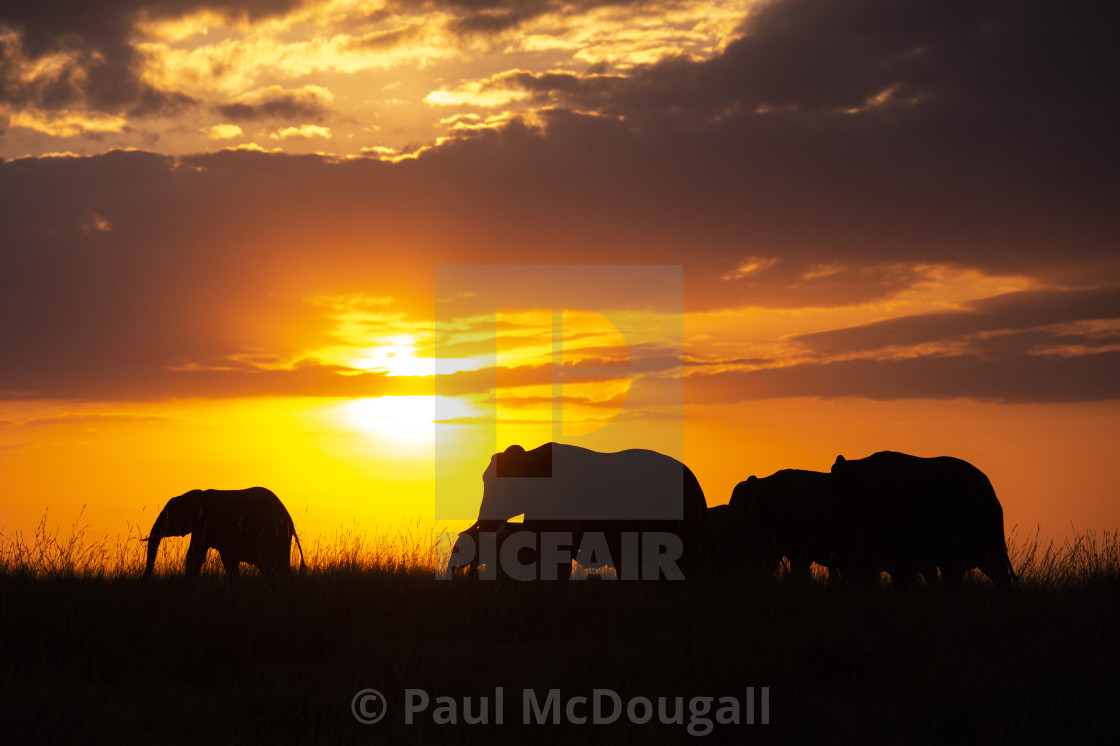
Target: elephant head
x: 504, y: 496
x: 787, y: 514
x: 499, y: 504
x: 178, y: 518
x: 749, y: 500
x: 465, y: 552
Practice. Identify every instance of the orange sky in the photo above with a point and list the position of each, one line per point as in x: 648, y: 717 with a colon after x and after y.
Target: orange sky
x: 249, y: 244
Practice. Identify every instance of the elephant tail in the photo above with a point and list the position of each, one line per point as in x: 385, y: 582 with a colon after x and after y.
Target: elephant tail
x: 302, y: 564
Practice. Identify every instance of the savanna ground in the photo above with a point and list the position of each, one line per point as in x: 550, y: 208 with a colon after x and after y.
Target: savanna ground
x: 91, y: 655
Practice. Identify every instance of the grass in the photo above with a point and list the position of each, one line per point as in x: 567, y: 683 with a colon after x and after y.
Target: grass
x: 89, y: 654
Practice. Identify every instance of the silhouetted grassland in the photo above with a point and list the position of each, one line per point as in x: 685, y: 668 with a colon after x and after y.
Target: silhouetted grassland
x: 89, y: 654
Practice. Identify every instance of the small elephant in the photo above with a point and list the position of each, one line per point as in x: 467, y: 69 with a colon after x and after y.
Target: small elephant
x: 907, y: 515
x: 249, y: 525
x: 787, y: 514
x: 613, y: 506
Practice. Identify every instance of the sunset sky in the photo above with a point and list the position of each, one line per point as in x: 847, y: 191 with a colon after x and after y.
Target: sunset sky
x: 271, y: 242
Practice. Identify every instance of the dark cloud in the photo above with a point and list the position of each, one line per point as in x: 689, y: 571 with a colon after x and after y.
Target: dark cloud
x: 1018, y: 379
x: 1035, y: 346
x: 1010, y: 312
x: 103, y: 67
x: 947, y: 126
x: 993, y: 151
x: 495, y: 16
x: 383, y: 39
x: 289, y: 106
x: 992, y: 62
x: 97, y: 419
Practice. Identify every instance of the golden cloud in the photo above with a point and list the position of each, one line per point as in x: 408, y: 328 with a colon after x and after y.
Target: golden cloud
x: 304, y: 130
x: 223, y: 131
x: 66, y: 123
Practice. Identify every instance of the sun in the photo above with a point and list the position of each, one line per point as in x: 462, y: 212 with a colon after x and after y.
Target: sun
x: 401, y: 419
x: 394, y: 355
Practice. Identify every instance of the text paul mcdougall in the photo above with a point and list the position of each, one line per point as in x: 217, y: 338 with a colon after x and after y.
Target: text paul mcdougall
x: 699, y: 715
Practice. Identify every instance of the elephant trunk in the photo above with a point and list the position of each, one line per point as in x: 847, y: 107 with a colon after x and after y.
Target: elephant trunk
x: 465, y: 552
x: 153, y: 549
x: 154, y: 539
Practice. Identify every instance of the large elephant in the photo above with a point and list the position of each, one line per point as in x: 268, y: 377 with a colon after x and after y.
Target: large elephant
x: 787, y: 514
x: 249, y: 525
x: 617, y: 508
x: 907, y: 515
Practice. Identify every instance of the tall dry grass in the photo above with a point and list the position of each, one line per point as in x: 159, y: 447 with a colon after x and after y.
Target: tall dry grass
x: 1084, y: 558
x: 90, y: 654
x: 76, y: 551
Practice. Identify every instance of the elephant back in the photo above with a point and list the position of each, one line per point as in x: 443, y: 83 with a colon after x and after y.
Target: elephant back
x: 561, y: 482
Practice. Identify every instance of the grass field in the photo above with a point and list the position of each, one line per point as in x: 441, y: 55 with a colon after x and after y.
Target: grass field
x: 89, y: 654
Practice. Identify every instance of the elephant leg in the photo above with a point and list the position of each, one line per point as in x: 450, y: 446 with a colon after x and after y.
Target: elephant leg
x: 232, y: 566
x: 283, y: 565
x: 196, y: 556
x: 564, y: 570
x: 274, y: 557
x: 904, y: 576
x: 953, y: 571
x: 285, y: 558
x: 900, y: 579
x: 929, y: 573
x: 801, y: 570
x: 998, y: 568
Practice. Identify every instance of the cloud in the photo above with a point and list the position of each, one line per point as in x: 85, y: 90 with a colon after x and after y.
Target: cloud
x: 989, y: 153
x: 1031, y: 346
x: 494, y: 16
x: 65, y: 123
x: 950, y: 127
x: 1018, y: 379
x: 310, y: 103
x: 1010, y: 312
x: 70, y: 55
x: 303, y: 131
x: 223, y: 131
x: 97, y: 419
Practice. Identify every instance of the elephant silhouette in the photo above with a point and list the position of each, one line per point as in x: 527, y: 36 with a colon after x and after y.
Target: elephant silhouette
x: 249, y: 525
x: 609, y: 503
x: 906, y: 515
x: 787, y: 514
x: 727, y: 543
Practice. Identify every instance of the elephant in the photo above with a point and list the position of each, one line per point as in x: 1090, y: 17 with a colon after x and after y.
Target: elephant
x: 907, y: 515
x: 616, y: 507
x: 249, y: 525
x: 787, y: 514
x: 726, y: 542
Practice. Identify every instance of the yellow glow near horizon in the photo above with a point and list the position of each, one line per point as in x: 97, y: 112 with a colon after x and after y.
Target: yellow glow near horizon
x: 406, y: 419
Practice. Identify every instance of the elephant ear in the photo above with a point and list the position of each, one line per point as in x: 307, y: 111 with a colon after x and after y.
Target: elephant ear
x: 193, y: 510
